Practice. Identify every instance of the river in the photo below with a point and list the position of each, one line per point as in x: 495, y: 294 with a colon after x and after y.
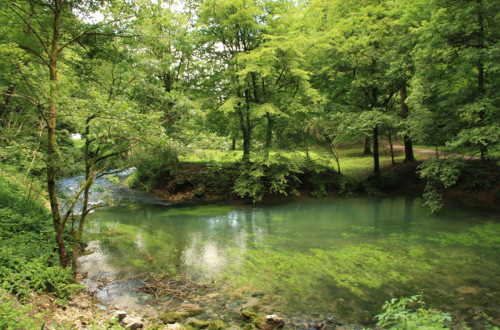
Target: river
x: 306, y: 261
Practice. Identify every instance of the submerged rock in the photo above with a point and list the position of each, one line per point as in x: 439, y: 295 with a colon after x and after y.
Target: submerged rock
x: 271, y: 322
x: 197, y: 324
x: 174, y: 317
x: 174, y: 326
x: 132, y: 322
x: 216, y: 325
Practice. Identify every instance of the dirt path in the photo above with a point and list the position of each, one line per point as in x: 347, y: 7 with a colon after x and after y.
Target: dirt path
x: 430, y: 152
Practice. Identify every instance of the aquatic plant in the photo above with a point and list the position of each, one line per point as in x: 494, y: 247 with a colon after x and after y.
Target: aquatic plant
x: 411, y: 313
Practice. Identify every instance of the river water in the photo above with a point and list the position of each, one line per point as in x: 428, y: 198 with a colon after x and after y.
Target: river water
x: 306, y: 261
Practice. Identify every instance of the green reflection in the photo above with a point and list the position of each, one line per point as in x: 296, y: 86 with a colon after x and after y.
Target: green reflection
x: 335, y: 257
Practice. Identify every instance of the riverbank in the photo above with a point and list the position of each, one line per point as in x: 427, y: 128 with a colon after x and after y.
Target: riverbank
x: 192, y: 185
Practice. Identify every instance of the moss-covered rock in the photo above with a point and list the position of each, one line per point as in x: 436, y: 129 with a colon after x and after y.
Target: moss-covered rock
x: 269, y: 322
x: 193, y: 312
x: 248, y: 326
x: 248, y: 316
x: 197, y: 324
x: 216, y: 325
x: 172, y: 317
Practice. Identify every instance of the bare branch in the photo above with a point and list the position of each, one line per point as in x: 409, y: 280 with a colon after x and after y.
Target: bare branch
x: 87, y: 31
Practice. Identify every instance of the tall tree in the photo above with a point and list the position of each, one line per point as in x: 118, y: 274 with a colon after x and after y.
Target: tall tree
x: 237, y: 27
x: 458, y: 72
x: 48, y: 30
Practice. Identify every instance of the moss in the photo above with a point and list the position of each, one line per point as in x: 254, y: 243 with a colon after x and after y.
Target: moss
x: 172, y: 317
x: 197, y: 324
x: 252, y: 319
x: 248, y: 316
x: 193, y: 312
x: 216, y: 325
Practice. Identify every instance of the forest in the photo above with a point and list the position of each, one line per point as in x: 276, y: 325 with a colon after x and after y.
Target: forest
x: 224, y: 100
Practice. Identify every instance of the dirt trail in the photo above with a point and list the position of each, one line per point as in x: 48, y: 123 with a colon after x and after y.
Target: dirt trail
x: 430, y: 152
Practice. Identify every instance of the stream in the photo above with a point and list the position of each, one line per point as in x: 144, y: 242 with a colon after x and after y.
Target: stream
x: 307, y: 261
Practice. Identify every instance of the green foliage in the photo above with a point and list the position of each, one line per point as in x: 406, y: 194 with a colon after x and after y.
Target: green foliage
x: 411, y: 313
x: 274, y: 176
x: 154, y: 169
x: 350, y: 185
x: 21, y: 276
x: 438, y: 175
x: 27, y: 259
x: 15, y: 318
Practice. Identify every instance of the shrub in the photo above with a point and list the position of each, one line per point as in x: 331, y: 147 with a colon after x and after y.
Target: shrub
x: 27, y: 246
x: 270, y: 176
x: 438, y: 175
x: 13, y: 318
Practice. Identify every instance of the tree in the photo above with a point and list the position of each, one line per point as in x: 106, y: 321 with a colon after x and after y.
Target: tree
x: 356, y: 58
x: 458, y: 72
x: 53, y: 29
x: 236, y: 27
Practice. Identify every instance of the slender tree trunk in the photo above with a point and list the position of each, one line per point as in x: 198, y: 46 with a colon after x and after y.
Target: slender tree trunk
x: 367, y: 150
x: 233, y: 145
x: 52, y: 154
x: 480, y: 77
x: 269, y: 134
x: 6, y: 98
x: 376, y: 160
x: 409, y: 156
x: 391, y: 145
x: 245, y: 127
x: 88, y: 171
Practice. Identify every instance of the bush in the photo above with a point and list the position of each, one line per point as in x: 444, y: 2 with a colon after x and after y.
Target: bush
x: 13, y: 318
x: 439, y: 174
x: 27, y: 247
x: 270, y: 176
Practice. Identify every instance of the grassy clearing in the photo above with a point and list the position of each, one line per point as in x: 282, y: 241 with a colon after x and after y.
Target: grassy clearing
x: 352, y: 161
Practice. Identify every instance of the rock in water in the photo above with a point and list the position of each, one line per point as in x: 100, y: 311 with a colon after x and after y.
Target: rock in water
x: 121, y: 315
x: 131, y: 322
x: 272, y: 322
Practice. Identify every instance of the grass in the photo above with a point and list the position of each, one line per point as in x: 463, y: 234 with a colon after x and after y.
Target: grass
x: 352, y: 161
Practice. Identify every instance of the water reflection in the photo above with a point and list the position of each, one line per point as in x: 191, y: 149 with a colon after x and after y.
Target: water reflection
x: 342, y: 254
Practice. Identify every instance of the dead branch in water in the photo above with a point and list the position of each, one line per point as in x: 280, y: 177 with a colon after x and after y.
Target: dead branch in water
x: 164, y: 284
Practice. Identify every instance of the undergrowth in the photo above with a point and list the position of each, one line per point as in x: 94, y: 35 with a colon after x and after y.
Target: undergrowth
x: 28, y: 259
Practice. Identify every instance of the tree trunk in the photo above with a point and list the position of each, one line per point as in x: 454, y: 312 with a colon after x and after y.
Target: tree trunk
x: 52, y: 154
x: 367, y: 150
x: 409, y: 156
x: 245, y: 127
x: 6, y: 98
x: 391, y: 145
x: 480, y: 78
x: 233, y: 145
x: 376, y: 161
x: 269, y: 134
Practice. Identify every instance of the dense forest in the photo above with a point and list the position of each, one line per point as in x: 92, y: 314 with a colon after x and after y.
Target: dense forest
x: 275, y: 89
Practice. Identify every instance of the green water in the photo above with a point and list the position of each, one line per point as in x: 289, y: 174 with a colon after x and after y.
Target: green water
x: 339, y: 257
